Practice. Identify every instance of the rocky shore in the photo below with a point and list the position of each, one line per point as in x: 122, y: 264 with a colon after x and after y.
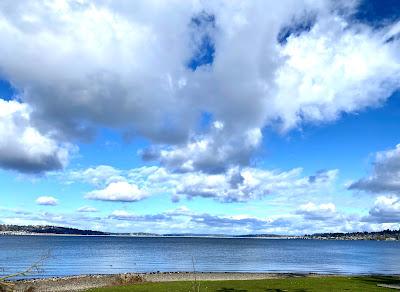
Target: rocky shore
x: 83, y: 282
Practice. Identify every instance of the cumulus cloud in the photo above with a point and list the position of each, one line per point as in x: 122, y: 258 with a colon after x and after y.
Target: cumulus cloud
x: 385, y: 176
x: 385, y: 210
x: 82, y: 65
x: 332, y: 69
x: 119, y: 192
x: 47, y: 201
x: 23, y: 147
x: 106, y: 64
x: 212, y: 153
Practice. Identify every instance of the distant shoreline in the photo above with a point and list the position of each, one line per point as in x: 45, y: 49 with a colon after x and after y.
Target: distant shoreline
x: 199, y: 236
x: 151, y: 236
x: 48, y: 230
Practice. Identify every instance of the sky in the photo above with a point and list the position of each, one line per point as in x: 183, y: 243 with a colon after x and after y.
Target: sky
x: 223, y: 117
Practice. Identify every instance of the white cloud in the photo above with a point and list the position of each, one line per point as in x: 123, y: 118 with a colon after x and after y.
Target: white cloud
x: 121, y: 214
x: 85, y: 65
x: 108, y: 65
x: 98, y: 176
x: 385, y: 176
x: 183, y: 220
x: 334, y: 69
x: 250, y: 184
x: 212, y: 153
x: 23, y: 147
x: 118, y: 191
x: 87, y: 209
x: 147, y: 218
x: 234, y: 185
x: 47, y: 201
x: 385, y: 210
x: 312, y: 211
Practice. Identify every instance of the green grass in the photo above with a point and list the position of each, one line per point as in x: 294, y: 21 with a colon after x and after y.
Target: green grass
x: 298, y: 284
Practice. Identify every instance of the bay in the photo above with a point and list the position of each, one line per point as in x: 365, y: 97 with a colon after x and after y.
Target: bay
x: 74, y: 255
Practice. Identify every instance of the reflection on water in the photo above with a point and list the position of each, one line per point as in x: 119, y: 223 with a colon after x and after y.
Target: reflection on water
x: 104, y: 255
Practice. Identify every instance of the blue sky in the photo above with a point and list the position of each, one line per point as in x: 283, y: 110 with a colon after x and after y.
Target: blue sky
x: 201, y: 117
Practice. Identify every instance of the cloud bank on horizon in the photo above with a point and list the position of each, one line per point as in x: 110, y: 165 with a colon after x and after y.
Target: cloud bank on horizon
x: 200, y: 82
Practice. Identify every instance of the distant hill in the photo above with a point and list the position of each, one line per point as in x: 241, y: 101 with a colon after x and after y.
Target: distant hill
x: 47, y: 230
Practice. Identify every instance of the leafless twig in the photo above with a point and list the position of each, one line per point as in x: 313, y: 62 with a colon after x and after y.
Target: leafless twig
x: 32, y: 269
x: 196, y: 284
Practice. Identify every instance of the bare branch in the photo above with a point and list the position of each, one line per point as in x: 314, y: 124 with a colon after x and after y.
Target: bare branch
x: 33, y: 268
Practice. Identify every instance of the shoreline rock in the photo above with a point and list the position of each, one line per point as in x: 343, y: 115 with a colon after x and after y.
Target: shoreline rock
x: 84, y: 282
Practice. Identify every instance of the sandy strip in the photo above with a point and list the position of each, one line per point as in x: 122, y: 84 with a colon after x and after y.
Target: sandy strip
x: 81, y: 283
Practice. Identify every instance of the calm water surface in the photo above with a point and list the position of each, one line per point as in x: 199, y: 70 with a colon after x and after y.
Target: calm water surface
x: 105, y: 255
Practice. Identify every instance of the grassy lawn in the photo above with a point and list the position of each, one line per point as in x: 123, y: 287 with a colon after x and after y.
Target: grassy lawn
x: 286, y: 284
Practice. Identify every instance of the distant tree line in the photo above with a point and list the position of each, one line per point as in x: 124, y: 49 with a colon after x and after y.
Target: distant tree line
x: 375, y: 235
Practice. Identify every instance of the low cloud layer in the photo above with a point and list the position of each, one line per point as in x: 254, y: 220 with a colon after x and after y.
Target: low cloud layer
x: 234, y: 185
x: 182, y: 219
